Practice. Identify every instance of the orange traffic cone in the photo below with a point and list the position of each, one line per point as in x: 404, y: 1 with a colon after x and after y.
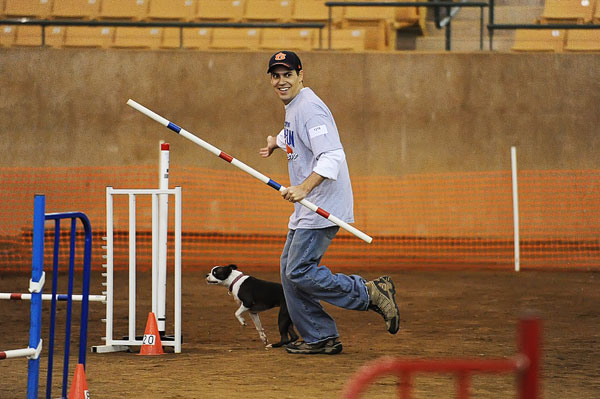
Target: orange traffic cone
x: 79, y: 388
x: 151, y: 344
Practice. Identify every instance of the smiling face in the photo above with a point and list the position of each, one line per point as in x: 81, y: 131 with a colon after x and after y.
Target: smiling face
x: 286, y: 82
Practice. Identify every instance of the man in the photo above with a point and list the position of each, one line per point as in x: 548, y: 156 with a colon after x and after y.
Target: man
x: 318, y: 172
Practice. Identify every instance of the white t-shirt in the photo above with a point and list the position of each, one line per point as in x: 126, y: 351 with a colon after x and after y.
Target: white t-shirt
x: 312, y: 143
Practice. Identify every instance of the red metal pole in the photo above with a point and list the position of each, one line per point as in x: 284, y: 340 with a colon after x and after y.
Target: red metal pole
x: 529, y: 345
x: 405, y: 385
x: 462, y: 384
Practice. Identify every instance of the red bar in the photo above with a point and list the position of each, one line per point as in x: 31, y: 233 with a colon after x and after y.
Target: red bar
x: 15, y: 296
x: 529, y: 345
x: 2, y: 355
x: 323, y: 213
x: 226, y: 156
x: 405, y: 385
x: 462, y: 385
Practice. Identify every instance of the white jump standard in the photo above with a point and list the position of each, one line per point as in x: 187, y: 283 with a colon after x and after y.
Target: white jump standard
x: 246, y: 168
x: 115, y: 345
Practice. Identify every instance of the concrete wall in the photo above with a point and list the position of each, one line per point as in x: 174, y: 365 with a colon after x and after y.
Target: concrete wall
x: 397, y: 113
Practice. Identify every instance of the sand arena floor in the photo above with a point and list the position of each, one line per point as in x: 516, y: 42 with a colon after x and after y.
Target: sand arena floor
x: 461, y: 313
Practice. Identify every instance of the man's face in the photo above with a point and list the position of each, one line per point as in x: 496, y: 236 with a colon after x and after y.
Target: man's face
x: 287, y: 83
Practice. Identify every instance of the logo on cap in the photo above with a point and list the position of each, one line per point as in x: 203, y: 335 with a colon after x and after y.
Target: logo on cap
x: 279, y: 56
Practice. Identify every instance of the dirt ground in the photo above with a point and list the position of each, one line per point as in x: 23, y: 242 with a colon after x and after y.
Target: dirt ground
x: 445, y: 314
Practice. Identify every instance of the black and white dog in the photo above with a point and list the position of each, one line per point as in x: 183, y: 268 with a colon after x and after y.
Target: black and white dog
x: 254, y: 296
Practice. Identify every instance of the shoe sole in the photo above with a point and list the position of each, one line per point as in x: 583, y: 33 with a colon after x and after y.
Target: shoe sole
x: 394, y: 327
x: 333, y: 350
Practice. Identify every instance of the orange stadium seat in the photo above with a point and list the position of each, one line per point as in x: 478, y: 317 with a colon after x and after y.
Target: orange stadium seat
x: 54, y: 36
x: 235, y: 38
x: 345, y: 39
x: 28, y: 35
x: 376, y: 21
x: 27, y: 8
x: 123, y: 9
x: 220, y: 10
x: 408, y: 16
x: 134, y: 37
x: 292, y: 39
x: 268, y: 10
x: 7, y: 35
x: 89, y: 36
x: 583, y: 40
x: 538, y: 40
x: 315, y: 11
x: 567, y: 11
x: 83, y: 9
x: 176, y: 10
x: 171, y: 38
x: 197, y: 38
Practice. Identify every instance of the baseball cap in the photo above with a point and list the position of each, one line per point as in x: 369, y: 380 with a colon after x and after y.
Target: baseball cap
x: 288, y: 59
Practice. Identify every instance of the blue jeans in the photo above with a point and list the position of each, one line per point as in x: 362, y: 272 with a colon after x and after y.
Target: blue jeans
x: 305, y: 284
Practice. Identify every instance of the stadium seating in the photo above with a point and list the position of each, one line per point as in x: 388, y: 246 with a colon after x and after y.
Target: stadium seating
x: 583, y: 40
x: 220, y: 10
x: 197, y: 38
x: 315, y: 11
x: 82, y: 9
x: 596, y: 18
x: 268, y: 10
x: 133, y: 37
x: 174, y: 10
x: 27, y: 8
x: 89, y: 36
x: 2, y: 8
x: 567, y: 11
x: 54, y: 36
x: 7, y: 35
x: 345, y: 39
x: 376, y: 21
x: 28, y: 35
x: 539, y: 40
x: 123, y: 9
x: 291, y: 39
x: 235, y: 38
x: 171, y: 38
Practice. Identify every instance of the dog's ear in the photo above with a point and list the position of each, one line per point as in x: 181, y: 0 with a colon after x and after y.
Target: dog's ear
x: 233, y: 267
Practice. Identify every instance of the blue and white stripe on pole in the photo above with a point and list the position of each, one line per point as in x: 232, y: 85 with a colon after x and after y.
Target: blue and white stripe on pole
x: 245, y: 168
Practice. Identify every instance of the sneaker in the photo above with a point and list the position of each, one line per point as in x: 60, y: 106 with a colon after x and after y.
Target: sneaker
x: 383, y: 300
x: 332, y: 346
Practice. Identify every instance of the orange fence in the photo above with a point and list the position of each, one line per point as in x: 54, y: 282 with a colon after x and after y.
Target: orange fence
x: 441, y: 220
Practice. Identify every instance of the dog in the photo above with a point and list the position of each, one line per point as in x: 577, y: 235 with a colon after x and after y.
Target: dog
x: 254, y: 296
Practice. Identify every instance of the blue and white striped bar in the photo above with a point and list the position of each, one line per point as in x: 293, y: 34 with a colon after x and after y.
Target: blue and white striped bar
x: 253, y: 172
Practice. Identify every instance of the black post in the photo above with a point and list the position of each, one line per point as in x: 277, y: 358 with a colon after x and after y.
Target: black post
x: 448, y: 30
x: 491, y: 22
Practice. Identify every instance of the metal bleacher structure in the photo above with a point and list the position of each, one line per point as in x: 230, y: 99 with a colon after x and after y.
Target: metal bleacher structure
x: 303, y: 25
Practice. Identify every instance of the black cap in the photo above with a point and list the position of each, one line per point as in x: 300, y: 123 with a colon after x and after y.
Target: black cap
x: 288, y: 59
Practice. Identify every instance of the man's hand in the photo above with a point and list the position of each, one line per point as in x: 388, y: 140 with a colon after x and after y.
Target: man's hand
x: 266, y: 152
x: 299, y: 192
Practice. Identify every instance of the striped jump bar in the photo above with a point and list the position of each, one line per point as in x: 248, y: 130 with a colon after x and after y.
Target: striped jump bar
x: 245, y: 168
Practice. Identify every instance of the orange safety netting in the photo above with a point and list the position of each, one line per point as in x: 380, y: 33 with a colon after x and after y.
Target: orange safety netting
x: 424, y: 220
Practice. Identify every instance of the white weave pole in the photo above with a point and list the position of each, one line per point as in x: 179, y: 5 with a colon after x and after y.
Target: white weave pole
x: 253, y: 172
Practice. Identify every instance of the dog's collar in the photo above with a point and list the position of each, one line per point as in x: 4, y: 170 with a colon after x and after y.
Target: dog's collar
x: 235, y: 281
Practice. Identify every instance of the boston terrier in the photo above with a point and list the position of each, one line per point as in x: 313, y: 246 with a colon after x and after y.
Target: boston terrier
x: 254, y: 296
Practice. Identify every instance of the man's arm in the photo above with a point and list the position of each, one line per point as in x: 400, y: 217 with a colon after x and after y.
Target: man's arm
x: 272, y: 145
x: 299, y: 192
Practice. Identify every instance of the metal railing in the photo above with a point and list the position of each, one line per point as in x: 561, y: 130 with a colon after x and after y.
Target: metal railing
x: 493, y: 26
x: 448, y: 5
x: 165, y: 24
